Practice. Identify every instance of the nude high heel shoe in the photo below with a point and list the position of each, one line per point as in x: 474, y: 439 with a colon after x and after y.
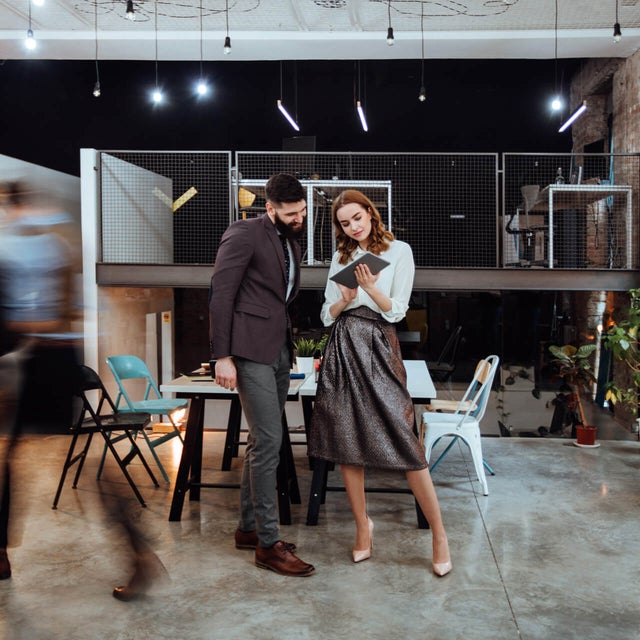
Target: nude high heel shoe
x: 442, y: 568
x: 364, y: 554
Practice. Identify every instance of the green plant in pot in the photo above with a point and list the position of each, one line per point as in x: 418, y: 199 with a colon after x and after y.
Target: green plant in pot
x: 622, y: 340
x: 306, y: 349
x: 573, y: 365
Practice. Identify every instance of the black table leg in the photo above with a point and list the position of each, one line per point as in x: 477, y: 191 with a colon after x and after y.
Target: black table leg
x: 194, y: 424
x: 318, y: 490
x: 233, y: 433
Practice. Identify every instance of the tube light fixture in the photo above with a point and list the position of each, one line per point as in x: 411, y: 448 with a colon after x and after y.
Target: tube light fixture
x: 285, y: 113
x: 363, y: 120
x: 130, y: 14
x: 390, y: 39
x: 576, y: 114
x: 617, y: 33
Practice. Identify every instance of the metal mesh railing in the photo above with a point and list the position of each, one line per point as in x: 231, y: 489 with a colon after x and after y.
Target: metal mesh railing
x: 570, y: 211
x: 443, y: 205
x: 164, y: 207
x: 454, y: 209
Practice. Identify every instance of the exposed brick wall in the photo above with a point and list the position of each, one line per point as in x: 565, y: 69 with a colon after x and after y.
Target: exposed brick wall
x: 612, y: 90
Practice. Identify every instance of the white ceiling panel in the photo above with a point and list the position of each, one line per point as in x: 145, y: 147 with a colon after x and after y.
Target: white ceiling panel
x: 319, y: 29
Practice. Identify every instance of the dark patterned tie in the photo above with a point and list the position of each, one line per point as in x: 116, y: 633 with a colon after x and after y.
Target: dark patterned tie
x: 287, y: 260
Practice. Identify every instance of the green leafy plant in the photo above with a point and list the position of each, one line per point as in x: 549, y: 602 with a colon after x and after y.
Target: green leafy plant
x: 322, y: 343
x: 573, y: 365
x: 305, y: 347
x: 622, y: 340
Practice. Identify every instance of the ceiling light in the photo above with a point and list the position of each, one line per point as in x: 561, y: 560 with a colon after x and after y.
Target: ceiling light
x: 617, y: 33
x: 286, y: 114
x: 363, y: 120
x: 576, y: 114
x: 556, y: 101
x: 422, y: 96
x: 96, y: 86
x: 156, y: 95
x: 390, y: 39
x: 30, y: 41
x: 227, y: 41
x: 201, y: 88
x: 281, y: 106
x: 130, y: 14
x: 38, y: 3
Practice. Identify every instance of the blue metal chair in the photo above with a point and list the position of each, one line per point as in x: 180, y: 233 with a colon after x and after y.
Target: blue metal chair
x: 464, y: 422
x: 127, y: 367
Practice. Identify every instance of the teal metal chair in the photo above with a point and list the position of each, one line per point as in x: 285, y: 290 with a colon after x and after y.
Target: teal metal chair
x: 127, y: 367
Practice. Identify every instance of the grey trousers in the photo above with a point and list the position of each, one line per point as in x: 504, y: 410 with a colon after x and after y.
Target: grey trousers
x: 263, y: 392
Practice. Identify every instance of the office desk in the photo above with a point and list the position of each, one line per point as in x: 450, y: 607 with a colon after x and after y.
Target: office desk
x: 559, y: 197
x: 189, y: 476
x: 422, y: 391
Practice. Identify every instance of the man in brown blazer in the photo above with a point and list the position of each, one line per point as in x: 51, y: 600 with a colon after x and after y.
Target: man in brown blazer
x: 253, y: 283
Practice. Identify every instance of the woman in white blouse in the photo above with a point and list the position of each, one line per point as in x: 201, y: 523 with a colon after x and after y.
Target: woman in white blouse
x: 363, y: 415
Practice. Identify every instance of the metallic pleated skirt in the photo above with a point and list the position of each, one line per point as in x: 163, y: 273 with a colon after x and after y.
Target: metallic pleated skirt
x: 363, y: 414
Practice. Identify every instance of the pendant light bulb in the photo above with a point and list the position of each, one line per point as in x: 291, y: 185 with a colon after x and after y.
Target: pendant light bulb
x: 227, y: 46
x: 202, y: 88
x: 422, y: 96
x: 390, y: 39
x: 30, y: 42
x: 96, y: 89
x: 556, y: 104
x: 617, y: 32
x: 131, y: 14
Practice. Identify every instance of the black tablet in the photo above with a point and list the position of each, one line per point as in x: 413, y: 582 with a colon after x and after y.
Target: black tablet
x: 347, y: 277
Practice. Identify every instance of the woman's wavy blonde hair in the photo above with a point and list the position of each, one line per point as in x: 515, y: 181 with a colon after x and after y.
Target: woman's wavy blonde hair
x: 380, y: 237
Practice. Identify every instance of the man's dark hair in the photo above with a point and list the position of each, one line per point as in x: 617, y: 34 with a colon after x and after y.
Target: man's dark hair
x: 283, y: 187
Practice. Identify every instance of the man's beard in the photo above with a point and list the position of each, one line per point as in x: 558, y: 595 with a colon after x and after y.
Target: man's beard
x: 287, y: 230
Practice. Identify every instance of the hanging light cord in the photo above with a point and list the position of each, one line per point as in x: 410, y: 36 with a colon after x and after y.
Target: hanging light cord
x: 556, y: 49
x: 422, y: 43
x: 280, y: 79
x: 155, y: 6
x: 95, y: 24
x: 226, y: 11
x: 201, y: 39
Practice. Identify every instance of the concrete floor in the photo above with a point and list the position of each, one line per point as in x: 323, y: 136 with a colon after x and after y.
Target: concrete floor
x: 552, y: 553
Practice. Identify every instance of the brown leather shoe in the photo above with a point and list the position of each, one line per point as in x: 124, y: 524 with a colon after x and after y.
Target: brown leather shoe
x: 282, y: 560
x: 5, y: 566
x: 148, y: 570
x: 249, y: 540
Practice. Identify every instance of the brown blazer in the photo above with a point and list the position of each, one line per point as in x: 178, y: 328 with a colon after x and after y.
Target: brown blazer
x: 248, y: 310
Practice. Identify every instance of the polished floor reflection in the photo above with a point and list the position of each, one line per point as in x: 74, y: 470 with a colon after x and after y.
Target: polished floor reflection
x: 552, y: 553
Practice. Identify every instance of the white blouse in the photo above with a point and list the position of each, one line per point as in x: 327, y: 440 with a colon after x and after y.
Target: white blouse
x: 395, y: 281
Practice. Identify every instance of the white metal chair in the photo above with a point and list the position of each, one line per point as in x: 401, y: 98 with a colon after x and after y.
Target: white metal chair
x: 464, y: 422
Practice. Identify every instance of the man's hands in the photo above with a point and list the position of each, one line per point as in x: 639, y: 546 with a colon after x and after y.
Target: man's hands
x: 226, y: 373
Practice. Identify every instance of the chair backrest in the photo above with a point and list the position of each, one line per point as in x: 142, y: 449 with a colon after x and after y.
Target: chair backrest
x: 450, y: 349
x: 88, y: 380
x: 477, y: 394
x: 128, y: 367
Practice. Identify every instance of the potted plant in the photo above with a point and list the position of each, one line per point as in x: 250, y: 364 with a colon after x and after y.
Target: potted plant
x: 622, y: 340
x: 306, y: 349
x: 573, y: 365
